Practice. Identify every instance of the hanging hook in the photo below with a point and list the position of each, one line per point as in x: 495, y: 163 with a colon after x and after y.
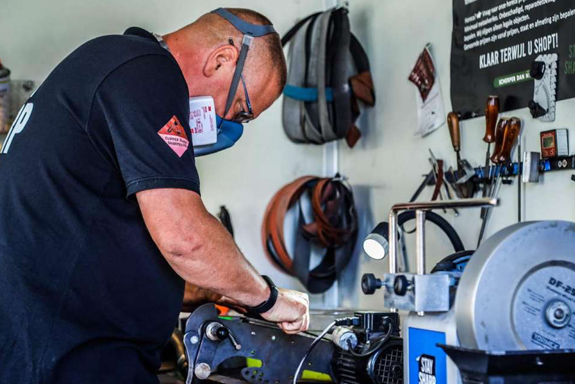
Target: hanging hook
x: 343, y: 4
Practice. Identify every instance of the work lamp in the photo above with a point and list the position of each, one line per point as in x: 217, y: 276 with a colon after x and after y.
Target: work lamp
x: 376, y: 244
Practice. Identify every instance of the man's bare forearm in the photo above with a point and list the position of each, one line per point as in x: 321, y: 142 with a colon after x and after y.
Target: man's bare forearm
x: 205, y: 255
x: 217, y: 264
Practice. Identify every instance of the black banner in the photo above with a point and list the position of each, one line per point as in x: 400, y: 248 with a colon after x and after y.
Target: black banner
x: 494, y: 43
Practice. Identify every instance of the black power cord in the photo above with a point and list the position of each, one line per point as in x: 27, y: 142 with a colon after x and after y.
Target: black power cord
x: 344, y: 321
x: 372, y: 348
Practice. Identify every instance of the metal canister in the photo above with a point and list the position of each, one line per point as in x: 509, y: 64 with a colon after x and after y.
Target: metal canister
x: 344, y: 338
x: 4, y: 98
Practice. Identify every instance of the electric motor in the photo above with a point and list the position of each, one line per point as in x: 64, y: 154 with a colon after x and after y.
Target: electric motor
x: 384, y: 366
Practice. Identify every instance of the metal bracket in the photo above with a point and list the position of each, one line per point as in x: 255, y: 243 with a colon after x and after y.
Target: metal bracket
x: 426, y: 293
x: 421, y: 279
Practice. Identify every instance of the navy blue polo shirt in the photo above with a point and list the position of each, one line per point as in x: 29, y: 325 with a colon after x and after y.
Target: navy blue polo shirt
x: 85, y: 294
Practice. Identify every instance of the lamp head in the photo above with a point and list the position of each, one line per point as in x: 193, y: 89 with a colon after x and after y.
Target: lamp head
x: 376, y: 244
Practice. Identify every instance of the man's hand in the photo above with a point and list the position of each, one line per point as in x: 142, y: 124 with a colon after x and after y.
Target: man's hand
x: 291, y: 311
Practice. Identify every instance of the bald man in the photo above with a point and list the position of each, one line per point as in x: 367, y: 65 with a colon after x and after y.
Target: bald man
x: 102, y: 222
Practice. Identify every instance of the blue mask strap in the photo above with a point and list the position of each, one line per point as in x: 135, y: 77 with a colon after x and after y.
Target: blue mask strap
x: 243, y: 26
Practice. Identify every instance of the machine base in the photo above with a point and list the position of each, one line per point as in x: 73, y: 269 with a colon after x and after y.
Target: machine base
x: 513, y: 367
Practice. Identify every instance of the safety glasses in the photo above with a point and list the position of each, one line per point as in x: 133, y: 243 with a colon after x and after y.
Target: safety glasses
x: 243, y: 116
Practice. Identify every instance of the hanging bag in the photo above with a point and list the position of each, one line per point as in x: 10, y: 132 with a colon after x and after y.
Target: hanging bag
x: 328, y: 73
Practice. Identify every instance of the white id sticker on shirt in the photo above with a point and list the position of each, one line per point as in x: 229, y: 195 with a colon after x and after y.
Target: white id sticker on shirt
x: 203, y: 121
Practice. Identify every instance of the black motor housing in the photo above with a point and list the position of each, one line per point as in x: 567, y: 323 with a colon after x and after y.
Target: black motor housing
x: 384, y: 366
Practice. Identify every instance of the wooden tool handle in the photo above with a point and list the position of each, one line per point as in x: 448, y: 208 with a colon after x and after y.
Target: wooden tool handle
x: 509, y: 139
x: 454, y: 132
x: 491, y: 114
x: 499, y: 134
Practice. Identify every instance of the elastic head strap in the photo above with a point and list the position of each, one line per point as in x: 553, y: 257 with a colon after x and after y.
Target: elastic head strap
x: 243, y: 26
x: 246, y: 44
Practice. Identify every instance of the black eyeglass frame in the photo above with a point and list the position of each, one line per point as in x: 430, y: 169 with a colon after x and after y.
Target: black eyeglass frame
x: 245, y: 117
x: 242, y: 117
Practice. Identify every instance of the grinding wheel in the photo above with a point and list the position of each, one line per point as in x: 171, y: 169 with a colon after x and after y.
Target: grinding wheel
x: 518, y: 290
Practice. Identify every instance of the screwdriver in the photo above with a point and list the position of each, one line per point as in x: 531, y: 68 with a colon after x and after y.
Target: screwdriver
x: 511, y: 133
x: 437, y: 166
x: 499, y: 133
x: 491, y: 114
x: 462, y: 186
x: 455, y: 133
x: 512, y: 130
x: 509, y: 140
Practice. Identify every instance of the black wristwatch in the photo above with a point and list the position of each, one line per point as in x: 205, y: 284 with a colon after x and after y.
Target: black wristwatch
x: 270, y: 302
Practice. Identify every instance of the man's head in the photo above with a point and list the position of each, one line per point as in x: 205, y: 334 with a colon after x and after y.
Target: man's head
x: 208, y: 51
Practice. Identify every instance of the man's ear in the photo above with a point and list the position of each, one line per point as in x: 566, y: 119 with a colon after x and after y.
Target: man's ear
x: 223, y: 59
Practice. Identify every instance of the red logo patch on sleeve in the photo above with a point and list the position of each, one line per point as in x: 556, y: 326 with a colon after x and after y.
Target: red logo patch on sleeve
x: 174, y: 135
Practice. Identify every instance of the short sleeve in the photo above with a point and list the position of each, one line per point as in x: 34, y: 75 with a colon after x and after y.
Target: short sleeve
x: 139, y: 120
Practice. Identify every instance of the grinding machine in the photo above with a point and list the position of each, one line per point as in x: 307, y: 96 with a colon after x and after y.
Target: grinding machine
x: 506, y: 314
x: 503, y: 314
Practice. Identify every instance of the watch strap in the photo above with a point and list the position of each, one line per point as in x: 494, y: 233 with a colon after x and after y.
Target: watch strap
x: 270, y: 302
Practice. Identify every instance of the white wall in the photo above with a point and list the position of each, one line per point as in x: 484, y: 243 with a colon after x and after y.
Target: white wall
x: 385, y: 167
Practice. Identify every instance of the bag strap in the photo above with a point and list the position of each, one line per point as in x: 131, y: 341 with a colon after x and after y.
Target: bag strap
x: 358, y: 55
x: 326, y: 124
x: 288, y: 36
x: 338, y: 74
x: 362, y: 83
